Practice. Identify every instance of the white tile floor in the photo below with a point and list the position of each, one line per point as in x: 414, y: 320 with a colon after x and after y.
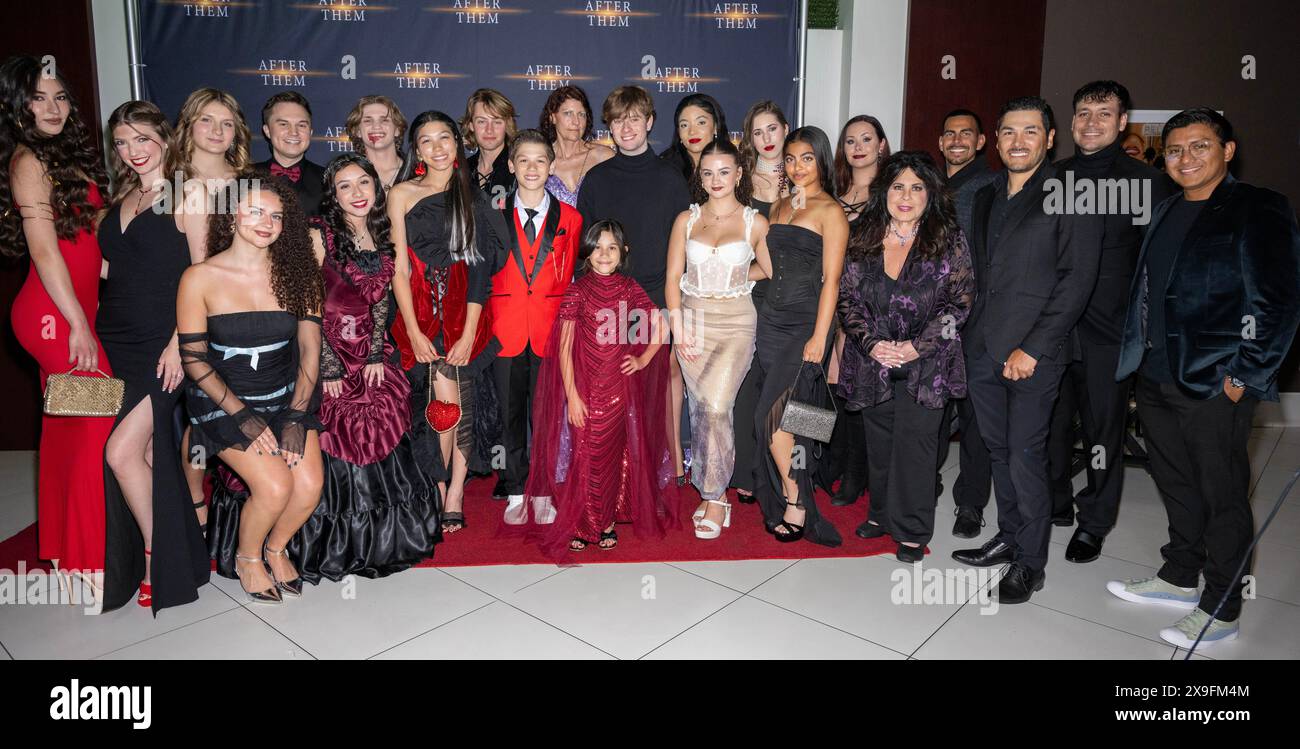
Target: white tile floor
x: 815, y: 608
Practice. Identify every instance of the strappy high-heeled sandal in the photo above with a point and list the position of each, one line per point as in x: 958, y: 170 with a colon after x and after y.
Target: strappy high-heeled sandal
x: 793, y: 532
x: 713, y: 530
x: 292, y: 587
x: 145, y: 597
x: 204, y: 527
x: 270, y: 596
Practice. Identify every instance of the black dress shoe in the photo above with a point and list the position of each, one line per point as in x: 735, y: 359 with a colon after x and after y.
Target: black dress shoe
x: 909, y: 554
x: 1084, y: 547
x: 991, y: 553
x: 870, y: 530
x: 968, y: 523
x: 1019, y: 583
x: 499, y: 491
x: 1063, y: 519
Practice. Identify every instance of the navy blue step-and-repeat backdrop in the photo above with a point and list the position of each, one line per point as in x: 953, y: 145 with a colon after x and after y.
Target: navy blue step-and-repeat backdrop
x: 433, y: 54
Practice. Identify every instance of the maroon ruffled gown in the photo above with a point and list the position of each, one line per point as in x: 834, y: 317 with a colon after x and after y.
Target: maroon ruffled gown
x: 379, y: 510
x: 617, y: 468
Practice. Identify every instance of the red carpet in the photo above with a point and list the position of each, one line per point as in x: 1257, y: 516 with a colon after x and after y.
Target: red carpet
x: 478, y: 545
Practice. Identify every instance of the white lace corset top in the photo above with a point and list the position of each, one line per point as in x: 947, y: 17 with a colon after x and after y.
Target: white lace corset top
x: 721, y: 271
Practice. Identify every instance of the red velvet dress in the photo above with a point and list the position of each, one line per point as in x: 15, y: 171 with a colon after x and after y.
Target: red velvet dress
x: 70, y: 516
x: 616, y: 468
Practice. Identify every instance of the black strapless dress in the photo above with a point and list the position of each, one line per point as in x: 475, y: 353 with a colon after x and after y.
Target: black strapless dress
x: 786, y: 321
x: 255, y: 354
x: 135, y: 322
x: 742, y: 413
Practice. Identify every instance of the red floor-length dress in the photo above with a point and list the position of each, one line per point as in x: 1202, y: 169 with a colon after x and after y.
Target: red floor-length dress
x: 70, y: 516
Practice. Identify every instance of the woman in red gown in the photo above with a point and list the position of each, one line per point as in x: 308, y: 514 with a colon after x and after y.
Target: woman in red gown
x: 595, y: 454
x: 51, y: 178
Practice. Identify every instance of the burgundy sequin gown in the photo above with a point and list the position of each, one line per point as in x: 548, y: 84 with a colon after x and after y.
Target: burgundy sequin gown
x: 617, y: 467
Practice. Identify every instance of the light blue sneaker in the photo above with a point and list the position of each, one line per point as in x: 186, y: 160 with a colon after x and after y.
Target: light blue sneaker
x: 1185, y: 631
x: 1154, y: 590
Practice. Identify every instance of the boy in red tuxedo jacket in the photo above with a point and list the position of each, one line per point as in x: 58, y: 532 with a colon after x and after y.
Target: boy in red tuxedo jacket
x: 543, y: 242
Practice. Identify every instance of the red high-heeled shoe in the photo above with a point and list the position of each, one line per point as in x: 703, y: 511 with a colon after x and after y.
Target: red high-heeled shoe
x: 145, y: 598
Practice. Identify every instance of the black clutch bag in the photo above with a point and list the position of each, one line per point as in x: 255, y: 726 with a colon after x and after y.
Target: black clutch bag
x: 807, y: 419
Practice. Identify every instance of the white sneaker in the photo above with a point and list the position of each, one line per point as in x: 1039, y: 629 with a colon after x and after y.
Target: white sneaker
x: 515, y: 512
x: 543, y: 510
x: 1154, y: 590
x: 1186, y: 630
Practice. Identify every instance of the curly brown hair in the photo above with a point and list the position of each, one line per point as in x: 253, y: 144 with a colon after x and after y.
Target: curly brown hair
x: 68, y: 158
x: 295, y: 277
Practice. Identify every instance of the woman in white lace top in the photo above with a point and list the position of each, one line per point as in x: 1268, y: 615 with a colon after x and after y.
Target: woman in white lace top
x: 710, y: 255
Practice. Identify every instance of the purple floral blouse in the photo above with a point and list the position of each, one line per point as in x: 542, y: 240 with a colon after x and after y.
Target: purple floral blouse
x: 928, y: 307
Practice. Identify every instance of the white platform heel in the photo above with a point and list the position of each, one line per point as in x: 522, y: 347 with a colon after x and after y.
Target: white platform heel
x: 713, y: 530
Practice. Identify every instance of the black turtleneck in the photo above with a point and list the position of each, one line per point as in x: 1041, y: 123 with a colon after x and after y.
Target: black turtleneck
x: 644, y: 194
x: 1103, y: 319
x: 1100, y: 164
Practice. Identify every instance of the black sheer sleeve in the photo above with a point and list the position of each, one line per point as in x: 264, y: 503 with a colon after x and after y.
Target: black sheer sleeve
x: 297, y: 418
x: 331, y: 368
x: 379, y: 312
x: 194, y: 358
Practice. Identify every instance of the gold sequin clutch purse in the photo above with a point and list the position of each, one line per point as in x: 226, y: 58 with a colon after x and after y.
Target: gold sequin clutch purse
x: 72, y: 395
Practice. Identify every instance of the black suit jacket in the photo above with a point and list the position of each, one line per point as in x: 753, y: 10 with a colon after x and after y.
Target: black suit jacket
x: 1103, y: 319
x: 1032, y: 286
x: 1233, y: 301
x: 310, y: 186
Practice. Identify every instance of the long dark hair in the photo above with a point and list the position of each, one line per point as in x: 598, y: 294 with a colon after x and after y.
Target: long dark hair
x: 821, y: 146
x: 591, y: 238
x: 937, y: 223
x: 68, y: 158
x: 744, y: 188
x: 720, y: 132
x: 461, y: 194
x: 334, y: 218
x: 295, y: 278
x: 844, y: 172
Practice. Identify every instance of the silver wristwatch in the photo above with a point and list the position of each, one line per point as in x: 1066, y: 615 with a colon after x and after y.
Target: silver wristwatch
x: 1236, y: 383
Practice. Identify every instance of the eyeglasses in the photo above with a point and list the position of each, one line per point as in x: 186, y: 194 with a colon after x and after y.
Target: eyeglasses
x: 1200, y: 149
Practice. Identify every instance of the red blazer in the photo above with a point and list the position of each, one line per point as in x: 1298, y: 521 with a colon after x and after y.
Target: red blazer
x: 526, y: 293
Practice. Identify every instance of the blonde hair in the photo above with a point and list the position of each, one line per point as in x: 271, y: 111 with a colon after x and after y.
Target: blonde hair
x: 352, y: 126
x: 238, y: 156
x: 134, y: 114
x: 495, y: 102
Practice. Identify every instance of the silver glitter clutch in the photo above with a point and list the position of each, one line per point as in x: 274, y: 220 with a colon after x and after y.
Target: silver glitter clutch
x: 806, y: 419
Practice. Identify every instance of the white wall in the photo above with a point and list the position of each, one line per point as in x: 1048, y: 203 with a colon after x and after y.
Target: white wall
x: 875, y: 60
x: 111, y: 62
x: 823, y: 93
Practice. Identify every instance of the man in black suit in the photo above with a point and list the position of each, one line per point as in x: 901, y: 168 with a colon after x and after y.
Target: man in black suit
x: 962, y: 146
x: 1089, y: 387
x: 1035, y: 266
x: 1211, y: 315
x: 286, y: 125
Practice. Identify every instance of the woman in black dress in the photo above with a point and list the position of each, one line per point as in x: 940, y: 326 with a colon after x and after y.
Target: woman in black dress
x: 250, y: 339
x: 444, y: 329
x: 761, y: 153
x: 804, y: 256
x: 153, y: 538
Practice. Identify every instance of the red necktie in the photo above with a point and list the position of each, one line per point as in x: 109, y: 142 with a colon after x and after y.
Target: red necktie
x: 293, y: 173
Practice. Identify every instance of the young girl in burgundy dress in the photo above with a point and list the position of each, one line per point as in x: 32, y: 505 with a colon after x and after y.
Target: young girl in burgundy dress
x: 600, y: 453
